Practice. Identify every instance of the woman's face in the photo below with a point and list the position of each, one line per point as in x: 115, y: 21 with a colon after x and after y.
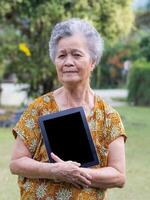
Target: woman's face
x: 73, y: 62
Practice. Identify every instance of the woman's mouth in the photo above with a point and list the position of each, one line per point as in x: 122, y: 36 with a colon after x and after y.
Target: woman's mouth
x: 69, y: 72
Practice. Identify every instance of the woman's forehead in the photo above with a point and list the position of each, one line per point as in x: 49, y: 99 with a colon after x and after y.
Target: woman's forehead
x: 71, y: 49
x: 75, y: 43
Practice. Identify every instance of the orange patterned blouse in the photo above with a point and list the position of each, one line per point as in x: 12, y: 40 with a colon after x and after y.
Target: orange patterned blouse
x: 105, y: 126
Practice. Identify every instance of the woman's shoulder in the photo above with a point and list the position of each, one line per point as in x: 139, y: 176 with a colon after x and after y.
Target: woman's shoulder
x: 45, y: 98
x: 43, y: 102
x: 103, y: 105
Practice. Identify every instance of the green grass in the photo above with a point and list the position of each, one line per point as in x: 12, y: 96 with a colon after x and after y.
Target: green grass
x: 137, y: 124
x: 122, y: 99
x: 8, y: 183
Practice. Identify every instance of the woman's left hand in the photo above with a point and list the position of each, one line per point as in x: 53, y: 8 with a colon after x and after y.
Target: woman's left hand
x: 79, y: 178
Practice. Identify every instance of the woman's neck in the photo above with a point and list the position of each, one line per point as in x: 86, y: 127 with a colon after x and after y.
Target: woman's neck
x: 77, y: 96
x: 68, y: 97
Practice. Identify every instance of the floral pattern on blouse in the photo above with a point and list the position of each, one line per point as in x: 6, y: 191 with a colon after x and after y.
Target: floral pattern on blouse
x: 105, y: 126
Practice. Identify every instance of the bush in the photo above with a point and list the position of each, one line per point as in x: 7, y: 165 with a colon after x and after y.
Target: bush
x: 139, y: 83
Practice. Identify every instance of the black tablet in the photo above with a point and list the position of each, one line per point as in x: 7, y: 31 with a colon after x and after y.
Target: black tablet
x: 67, y: 134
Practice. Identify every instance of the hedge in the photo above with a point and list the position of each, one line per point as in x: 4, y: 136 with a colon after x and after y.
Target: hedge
x: 139, y: 83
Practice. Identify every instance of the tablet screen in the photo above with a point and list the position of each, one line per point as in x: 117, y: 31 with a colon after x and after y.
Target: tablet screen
x: 67, y: 135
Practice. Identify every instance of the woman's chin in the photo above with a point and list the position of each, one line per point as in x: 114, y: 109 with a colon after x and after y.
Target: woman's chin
x: 71, y: 81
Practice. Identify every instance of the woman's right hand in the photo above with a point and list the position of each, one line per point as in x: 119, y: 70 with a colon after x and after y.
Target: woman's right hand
x: 69, y: 171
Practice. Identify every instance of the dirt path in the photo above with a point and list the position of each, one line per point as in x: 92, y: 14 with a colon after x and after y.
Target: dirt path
x: 109, y: 94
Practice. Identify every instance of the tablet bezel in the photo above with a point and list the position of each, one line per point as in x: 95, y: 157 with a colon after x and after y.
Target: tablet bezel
x: 70, y: 111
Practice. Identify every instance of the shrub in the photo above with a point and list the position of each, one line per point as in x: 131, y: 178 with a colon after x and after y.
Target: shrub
x: 139, y: 83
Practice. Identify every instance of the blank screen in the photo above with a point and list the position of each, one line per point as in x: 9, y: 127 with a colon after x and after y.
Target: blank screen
x: 68, y: 138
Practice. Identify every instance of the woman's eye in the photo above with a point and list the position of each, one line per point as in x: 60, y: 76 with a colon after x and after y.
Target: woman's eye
x: 77, y: 55
x: 61, y: 56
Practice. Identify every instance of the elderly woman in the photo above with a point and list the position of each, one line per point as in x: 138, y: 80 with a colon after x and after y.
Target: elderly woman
x: 75, y: 49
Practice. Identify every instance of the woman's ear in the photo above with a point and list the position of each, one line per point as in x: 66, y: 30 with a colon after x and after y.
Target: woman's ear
x: 93, y: 65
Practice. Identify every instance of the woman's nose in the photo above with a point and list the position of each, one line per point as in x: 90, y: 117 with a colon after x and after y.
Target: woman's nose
x: 68, y: 61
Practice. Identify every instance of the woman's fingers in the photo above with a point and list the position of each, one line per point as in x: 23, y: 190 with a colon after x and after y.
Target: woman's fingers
x: 81, y: 179
x: 80, y: 184
x: 86, y: 175
x: 84, y: 180
x: 74, y: 163
x: 56, y: 158
x: 70, y: 171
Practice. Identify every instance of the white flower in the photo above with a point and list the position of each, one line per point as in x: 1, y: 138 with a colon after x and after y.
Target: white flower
x: 30, y: 123
x: 114, y: 131
x: 46, y: 99
x: 41, y: 191
x: 108, y: 123
x: 33, y: 112
x: 99, y: 114
x: 103, y: 151
x: 27, y: 186
x: 33, y: 145
x: 92, y: 125
x: 63, y: 194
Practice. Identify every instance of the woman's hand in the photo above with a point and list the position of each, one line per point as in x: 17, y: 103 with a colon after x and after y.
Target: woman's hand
x: 70, y: 171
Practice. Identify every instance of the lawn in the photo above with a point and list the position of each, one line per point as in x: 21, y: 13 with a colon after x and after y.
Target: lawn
x: 137, y: 124
x: 8, y: 188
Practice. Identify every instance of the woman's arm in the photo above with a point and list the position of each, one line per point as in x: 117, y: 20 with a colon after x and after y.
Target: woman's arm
x: 22, y: 164
x: 114, y: 174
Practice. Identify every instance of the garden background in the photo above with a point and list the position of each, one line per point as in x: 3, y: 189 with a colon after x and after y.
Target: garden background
x: 25, y: 27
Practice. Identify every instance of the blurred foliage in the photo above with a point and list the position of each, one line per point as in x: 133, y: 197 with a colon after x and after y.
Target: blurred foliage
x: 139, y: 74
x: 145, y: 47
x: 135, y: 46
x: 30, y: 22
x: 112, y: 66
x: 142, y: 19
x: 139, y: 83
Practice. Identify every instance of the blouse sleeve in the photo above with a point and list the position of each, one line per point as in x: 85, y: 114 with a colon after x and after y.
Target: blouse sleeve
x: 28, y: 129
x: 114, y: 127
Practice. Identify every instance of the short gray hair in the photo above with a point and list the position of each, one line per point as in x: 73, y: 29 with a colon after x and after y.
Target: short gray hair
x: 71, y: 27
